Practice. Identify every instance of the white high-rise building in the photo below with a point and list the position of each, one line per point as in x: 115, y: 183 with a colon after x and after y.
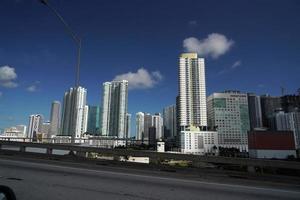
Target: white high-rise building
x: 228, y: 112
x: 54, y: 119
x: 192, y: 91
x: 114, y: 104
x: 74, y: 114
x: 139, y: 125
x: 85, y: 119
x: 106, y: 95
x: 157, y: 122
x: 35, y: 125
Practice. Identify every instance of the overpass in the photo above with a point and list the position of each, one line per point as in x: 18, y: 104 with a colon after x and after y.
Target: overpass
x: 154, y: 157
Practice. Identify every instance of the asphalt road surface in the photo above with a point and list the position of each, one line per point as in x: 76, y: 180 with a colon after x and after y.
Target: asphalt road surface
x: 35, y: 180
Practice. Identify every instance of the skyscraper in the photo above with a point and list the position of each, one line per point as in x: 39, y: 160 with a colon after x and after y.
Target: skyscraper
x: 269, y: 105
x: 114, y: 105
x: 128, y: 125
x: 74, y: 112
x: 255, y: 114
x: 94, y: 120
x: 139, y: 117
x: 54, y: 119
x: 106, y: 102
x: 192, y: 91
x: 157, y: 122
x: 147, y: 125
x: 35, y: 125
x: 169, y: 118
x: 228, y: 111
x: 85, y: 119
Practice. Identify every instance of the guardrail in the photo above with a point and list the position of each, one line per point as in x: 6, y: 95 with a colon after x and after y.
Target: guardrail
x: 154, y: 157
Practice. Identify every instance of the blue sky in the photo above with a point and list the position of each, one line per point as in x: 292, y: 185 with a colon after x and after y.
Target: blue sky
x: 256, y: 49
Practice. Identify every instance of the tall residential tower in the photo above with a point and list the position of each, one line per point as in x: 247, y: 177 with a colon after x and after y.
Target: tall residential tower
x: 192, y: 91
x: 139, y: 117
x: 114, y: 105
x: 74, y: 113
x: 54, y: 118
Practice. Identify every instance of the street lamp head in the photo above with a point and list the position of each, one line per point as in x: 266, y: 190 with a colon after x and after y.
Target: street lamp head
x: 45, y: 2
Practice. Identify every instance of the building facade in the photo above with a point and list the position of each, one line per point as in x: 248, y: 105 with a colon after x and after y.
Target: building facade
x: 192, y: 91
x: 290, y: 103
x: 45, y: 131
x: 74, y: 112
x: 281, y: 121
x: 139, y: 122
x: 228, y: 112
x: 35, y: 125
x: 195, y: 141
x: 169, y: 119
x: 114, y: 105
x: 271, y: 144
x: 54, y: 119
x: 157, y: 122
x: 18, y: 131
x: 255, y: 115
x: 147, y: 125
x: 128, y: 125
x: 269, y: 105
x: 94, y: 120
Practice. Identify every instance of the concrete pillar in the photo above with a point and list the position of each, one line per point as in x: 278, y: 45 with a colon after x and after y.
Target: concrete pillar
x: 49, y: 151
x: 81, y: 153
x: 155, y: 160
x: 22, y: 149
x: 251, y: 169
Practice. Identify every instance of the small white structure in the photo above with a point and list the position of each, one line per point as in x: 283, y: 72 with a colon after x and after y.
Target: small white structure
x: 194, y: 141
x: 14, y: 133
x: 160, y: 146
x: 136, y: 159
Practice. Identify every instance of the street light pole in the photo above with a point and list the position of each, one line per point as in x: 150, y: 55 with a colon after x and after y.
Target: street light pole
x: 77, y: 41
x: 74, y: 36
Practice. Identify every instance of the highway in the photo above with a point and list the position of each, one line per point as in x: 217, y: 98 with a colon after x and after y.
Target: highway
x: 36, y: 180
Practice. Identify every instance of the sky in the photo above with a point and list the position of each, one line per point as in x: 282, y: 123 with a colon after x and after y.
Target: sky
x: 248, y: 45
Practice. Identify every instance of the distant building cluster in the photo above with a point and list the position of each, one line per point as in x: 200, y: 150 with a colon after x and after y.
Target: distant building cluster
x: 194, y: 124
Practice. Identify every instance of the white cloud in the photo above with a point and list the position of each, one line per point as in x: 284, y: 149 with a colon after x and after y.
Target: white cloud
x: 142, y: 79
x: 231, y: 68
x: 8, y: 76
x: 32, y: 88
x: 214, y: 45
x: 9, y: 84
x: 193, y: 23
x: 236, y: 64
